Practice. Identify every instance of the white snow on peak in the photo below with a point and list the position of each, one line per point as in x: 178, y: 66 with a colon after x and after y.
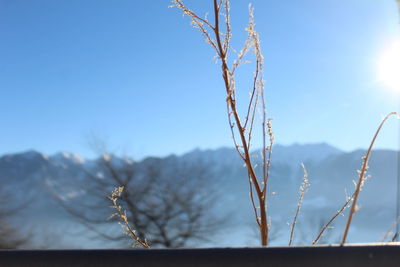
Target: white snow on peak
x: 128, y: 160
x: 70, y: 156
x: 106, y: 157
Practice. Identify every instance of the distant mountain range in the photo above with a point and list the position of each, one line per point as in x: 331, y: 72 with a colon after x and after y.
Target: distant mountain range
x: 34, y: 177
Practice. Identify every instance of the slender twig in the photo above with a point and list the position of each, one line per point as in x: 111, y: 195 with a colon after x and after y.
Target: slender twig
x: 232, y: 128
x: 350, y: 199
x: 190, y: 13
x: 389, y: 231
x: 115, y: 195
x: 197, y: 22
x: 361, y: 178
x: 327, y: 225
x: 241, y: 132
x: 253, y: 114
x: 232, y: 104
x: 303, y: 189
x: 253, y: 202
x: 228, y: 33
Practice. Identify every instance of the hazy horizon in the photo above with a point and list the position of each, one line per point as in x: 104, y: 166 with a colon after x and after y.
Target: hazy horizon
x: 123, y: 154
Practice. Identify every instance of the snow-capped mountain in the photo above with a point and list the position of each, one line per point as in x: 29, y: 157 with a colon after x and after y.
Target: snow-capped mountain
x: 37, y: 178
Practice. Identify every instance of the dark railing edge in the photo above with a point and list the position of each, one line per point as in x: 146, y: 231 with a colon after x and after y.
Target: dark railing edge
x: 378, y: 254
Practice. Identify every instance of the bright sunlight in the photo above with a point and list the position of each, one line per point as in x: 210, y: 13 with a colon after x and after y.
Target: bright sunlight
x: 389, y: 67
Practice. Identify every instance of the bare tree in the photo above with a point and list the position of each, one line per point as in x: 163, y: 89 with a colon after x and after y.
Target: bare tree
x: 10, y: 236
x: 170, y: 204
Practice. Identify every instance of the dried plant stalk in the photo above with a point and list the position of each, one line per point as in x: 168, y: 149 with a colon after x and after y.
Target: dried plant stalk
x: 359, y: 185
x: 241, y: 130
x: 302, y: 191
x: 327, y: 225
x: 390, y: 232
x: 362, y: 178
x: 121, y: 215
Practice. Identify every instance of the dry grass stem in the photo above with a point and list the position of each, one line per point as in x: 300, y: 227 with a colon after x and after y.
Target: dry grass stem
x: 390, y: 231
x: 328, y: 224
x: 302, y: 191
x: 353, y: 199
x: 121, y: 215
x: 241, y: 130
x: 362, y: 177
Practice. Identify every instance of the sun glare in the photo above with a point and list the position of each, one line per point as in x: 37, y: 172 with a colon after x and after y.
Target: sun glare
x: 389, y: 67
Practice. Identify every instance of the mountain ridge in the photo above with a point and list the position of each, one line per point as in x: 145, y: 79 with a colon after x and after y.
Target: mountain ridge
x: 331, y: 171
x: 325, y: 147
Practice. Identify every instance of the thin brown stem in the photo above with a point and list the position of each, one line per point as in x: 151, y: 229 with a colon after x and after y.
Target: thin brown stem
x: 238, y: 129
x: 253, y: 114
x: 190, y: 13
x: 389, y: 231
x: 232, y: 104
x: 228, y: 33
x: 253, y: 203
x: 361, y: 178
x: 302, y: 191
x: 326, y: 226
x: 123, y: 218
x: 232, y: 126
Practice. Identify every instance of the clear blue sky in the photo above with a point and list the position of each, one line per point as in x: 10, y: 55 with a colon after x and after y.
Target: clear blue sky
x: 136, y: 74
